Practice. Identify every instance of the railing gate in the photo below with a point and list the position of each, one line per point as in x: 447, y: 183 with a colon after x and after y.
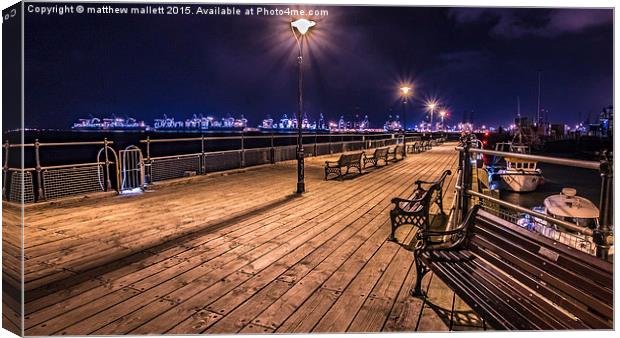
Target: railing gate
x: 131, y: 168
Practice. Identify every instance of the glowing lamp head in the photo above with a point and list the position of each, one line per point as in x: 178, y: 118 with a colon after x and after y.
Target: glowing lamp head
x: 432, y: 105
x: 303, y: 25
x: 405, y: 90
x: 443, y: 113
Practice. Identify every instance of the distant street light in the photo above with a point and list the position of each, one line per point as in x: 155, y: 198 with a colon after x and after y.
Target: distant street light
x: 442, y: 114
x: 302, y: 26
x: 405, y: 91
x: 431, y: 105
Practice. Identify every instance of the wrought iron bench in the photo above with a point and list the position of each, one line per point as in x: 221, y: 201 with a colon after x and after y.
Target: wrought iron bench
x: 394, y: 152
x: 416, y: 209
x: 438, y: 197
x: 414, y: 147
x: 516, y: 279
x: 378, y: 155
x: 426, y: 145
x: 345, y: 161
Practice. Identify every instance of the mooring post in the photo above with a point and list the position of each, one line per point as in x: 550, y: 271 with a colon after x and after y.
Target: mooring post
x: 603, y: 231
x: 38, y: 168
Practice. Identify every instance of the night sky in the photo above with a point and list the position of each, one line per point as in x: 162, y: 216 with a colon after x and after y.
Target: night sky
x: 468, y: 58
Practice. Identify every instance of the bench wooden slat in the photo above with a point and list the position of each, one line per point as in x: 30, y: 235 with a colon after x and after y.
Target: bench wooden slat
x: 590, y: 266
x: 474, y: 297
x: 515, y: 279
x: 525, y: 260
x: 499, y: 296
x: 545, y: 315
x: 566, y: 303
x: 588, y: 280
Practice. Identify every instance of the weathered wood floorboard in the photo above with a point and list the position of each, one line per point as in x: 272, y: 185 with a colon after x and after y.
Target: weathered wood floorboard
x: 236, y: 254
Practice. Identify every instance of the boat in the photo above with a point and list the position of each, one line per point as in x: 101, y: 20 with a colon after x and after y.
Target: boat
x: 518, y: 175
x: 568, y: 206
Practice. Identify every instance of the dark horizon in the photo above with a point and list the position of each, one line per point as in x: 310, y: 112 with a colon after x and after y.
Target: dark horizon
x: 472, y: 59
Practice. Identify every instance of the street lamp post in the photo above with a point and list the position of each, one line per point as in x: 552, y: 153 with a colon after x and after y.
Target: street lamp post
x: 443, y: 115
x: 302, y: 26
x: 432, y: 109
x: 405, y: 92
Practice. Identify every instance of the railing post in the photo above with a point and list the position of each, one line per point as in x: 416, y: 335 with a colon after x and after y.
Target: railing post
x: 242, y: 150
x: 272, y: 150
x: 315, y: 140
x: 330, y: 143
x: 203, y: 158
x: 603, y: 231
x: 466, y: 177
x: 40, y: 193
x: 107, y: 165
x: 5, y: 168
x: 148, y: 165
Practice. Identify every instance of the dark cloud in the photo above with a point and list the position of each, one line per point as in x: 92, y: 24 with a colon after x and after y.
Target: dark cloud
x: 517, y: 23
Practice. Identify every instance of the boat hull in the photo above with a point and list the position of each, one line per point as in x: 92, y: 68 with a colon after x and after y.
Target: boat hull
x: 520, y: 181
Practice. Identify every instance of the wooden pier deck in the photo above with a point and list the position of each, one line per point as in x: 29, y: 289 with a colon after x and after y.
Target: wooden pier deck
x: 237, y: 253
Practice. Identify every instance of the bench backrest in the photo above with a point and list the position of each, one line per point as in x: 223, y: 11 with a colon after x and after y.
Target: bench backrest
x: 442, y: 178
x: 347, y: 159
x: 579, y: 283
x: 381, y: 152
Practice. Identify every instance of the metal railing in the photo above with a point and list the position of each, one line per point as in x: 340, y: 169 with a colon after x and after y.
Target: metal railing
x: 602, y: 235
x: 163, y: 159
x: 45, y: 182
x: 202, y: 160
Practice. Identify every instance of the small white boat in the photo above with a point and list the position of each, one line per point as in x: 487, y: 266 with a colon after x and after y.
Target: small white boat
x: 570, y: 207
x: 520, y: 175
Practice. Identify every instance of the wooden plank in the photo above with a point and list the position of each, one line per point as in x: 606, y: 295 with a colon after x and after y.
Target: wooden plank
x: 277, y: 313
x: 270, y: 265
x: 177, y: 299
x: 435, y: 317
x: 208, y: 292
x: 375, y: 310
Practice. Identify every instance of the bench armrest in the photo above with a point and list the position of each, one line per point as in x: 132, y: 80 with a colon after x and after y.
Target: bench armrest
x: 420, y: 182
x: 460, y: 232
x: 439, y: 181
x: 397, y: 201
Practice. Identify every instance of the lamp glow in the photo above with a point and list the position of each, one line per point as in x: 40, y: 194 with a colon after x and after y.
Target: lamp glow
x: 405, y: 90
x: 303, y: 25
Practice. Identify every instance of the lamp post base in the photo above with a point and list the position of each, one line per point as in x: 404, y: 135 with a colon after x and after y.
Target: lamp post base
x: 301, y: 185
